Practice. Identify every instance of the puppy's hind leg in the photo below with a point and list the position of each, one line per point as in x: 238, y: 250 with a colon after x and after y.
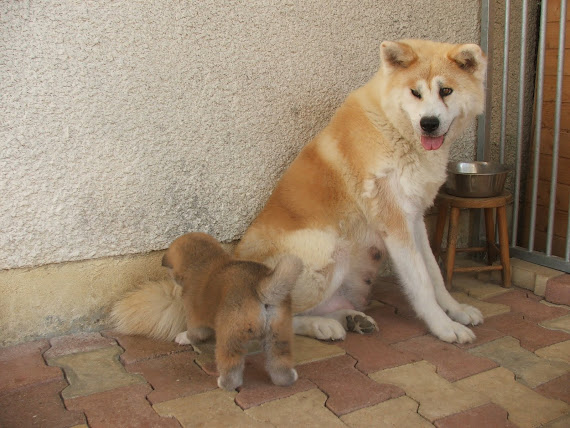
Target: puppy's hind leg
x: 277, y: 344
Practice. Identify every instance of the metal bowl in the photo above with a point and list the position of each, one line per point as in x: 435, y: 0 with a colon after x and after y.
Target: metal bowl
x: 475, y: 179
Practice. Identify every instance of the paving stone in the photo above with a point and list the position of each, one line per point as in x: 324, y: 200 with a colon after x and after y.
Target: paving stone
x: 483, y: 334
x: 210, y: 409
x: 526, y: 408
x: 139, y: 348
x: 562, y: 422
x: 475, y: 288
x: 562, y: 324
x: 120, y: 407
x: 398, y: 412
x: 530, y: 369
x: 558, y: 388
x: 529, y: 305
x: 531, y: 335
x: 388, y: 291
x: 488, y: 415
x: 304, y: 409
x: 23, y: 365
x: 79, y: 342
x: 92, y: 372
x: 558, y: 290
x: 173, y: 376
x: 486, y: 308
x: 558, y: 352
x: 37, y: 405
x: 437, y: 397
x: 395, y: 328
x: 308, y: 350
x: 451, y: 362
x: 257, y: 387
x: 206, y: 358
x: 347, y: 388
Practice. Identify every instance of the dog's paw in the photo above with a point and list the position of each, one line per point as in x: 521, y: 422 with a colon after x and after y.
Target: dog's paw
x: 453, y: 332
x: 319, y: 327
x: 284, y: 376
x: 467, y: 315
x: 182, y: 338
x: 360, y: 323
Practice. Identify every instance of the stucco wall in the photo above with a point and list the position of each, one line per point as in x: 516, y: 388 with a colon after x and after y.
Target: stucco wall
x: 125, y: 124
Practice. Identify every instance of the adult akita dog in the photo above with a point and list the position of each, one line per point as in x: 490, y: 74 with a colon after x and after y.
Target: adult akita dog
x: 361, y: 187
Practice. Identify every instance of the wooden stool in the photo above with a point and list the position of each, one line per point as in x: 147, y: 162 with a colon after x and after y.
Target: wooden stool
x: 456, y: 203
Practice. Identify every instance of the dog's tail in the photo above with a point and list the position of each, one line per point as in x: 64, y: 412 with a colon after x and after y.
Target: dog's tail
x: 279, y: 284
x: 155, y: 309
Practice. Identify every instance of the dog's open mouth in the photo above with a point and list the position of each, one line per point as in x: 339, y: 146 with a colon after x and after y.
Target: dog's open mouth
x: 432, y: 143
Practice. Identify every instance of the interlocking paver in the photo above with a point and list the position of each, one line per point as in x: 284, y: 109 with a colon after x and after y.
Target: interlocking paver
x: 451, y: 362
x: 304, y: 409
x: 483, y: 334
x: 139, y: 348
x: 388, y: 291
x: 530, y: 369
x: 529, y: 305
x: 488, y: 415
x: 120, y: 407
x: 558, y: 352
x: 173, y: 376
x: 475, y: 288
x: 74, y: 343
x: 94, y: 371
x: 257, y: 387
x: 561, y: 324
x: 558, y: 388
x: 23, y: 365
x: 562, y: 422
x: 308, y: 350
x: 437, y: 397
x: 37, y: 405
x: 214, y: 408
x: 558, y: 290
x: 393, y: 327
x: 531, y: 335
x: 486, y: 308
x: 347, y: 388
x: 398, y: 412
x: 526, y: 408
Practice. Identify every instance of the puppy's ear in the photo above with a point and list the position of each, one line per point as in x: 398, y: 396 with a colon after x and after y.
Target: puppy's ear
x: 274, y: 289
x: 470, y: 58
x: 396, y: 55
x: 166, y: 260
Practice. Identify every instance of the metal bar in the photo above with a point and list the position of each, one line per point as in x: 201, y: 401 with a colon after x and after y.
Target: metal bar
x: 538, y: 122
x: 556, y: 142
x: 538, y: 258
x: 505, y: 81
x: 484, y: 120
x: 520, y: 124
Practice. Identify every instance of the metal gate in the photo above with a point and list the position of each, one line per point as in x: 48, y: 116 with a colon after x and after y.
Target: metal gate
x: 527, y: 159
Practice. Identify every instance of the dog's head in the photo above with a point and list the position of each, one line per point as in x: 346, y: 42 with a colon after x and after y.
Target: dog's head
x: 430, y: 91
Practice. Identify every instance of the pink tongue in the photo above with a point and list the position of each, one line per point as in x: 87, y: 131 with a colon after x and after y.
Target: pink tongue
x: 432, y: 143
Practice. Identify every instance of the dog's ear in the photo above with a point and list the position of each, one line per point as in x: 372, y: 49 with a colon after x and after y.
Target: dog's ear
x: 470, y: 58
x: 395, y: 55
x: 166, y: 261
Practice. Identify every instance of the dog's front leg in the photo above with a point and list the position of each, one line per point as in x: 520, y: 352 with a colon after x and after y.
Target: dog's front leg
x: 415, y: 276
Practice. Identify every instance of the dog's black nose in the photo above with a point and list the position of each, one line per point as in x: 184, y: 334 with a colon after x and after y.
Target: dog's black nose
x: 429, y: 123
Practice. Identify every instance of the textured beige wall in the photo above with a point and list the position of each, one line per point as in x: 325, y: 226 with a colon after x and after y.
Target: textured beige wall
x: 126, y: 124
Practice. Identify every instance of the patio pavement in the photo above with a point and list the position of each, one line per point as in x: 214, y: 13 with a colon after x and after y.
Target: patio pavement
x: 516, y: 374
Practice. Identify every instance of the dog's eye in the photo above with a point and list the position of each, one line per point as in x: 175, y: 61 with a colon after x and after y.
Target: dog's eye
x: 444, y: 92
x: 416, y: 94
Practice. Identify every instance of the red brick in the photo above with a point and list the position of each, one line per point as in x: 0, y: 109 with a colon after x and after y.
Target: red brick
x: 483, y: 335
x: 488, y: 415
x: 257, y: 387
x: 387, y: 290
x: 121, y: 407
x: 395, y: 328
x: 139, y: 348
x: 558, y: 290
x: 451, y: 362
x: 75, y: 343
x: 37, y: 405
x: 23, y: 365
x: 173, y: 376
x: 558, y: 388
x: 347, y: 388
x: 530, y: 335
x: 527, y: 303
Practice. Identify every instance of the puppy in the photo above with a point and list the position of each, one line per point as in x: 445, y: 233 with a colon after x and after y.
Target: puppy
x: 237, y: 300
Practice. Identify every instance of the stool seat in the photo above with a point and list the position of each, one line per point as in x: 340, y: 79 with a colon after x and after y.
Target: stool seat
x: 455, y: 204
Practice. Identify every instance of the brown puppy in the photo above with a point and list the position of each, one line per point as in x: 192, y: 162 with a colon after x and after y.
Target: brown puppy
x: 239, y: 301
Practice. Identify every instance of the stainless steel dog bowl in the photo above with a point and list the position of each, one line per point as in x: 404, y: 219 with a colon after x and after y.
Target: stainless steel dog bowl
x: 475, y: 179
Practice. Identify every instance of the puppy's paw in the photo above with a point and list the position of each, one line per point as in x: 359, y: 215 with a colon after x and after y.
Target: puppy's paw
x: 231, y: 380
x: 361, y: 323
x: 284, y: 376
x: 453, y: 332
x: 182, y: 338
x: 467, y: 315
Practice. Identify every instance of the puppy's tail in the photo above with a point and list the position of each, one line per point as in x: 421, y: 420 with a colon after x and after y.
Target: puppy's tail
x: 155, y: 309
x: 279, y: 284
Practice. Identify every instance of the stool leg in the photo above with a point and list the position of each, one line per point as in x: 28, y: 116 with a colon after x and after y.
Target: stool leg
x: 440, y: 226
x: 504, y: 244
x: 451, y: 243
x: 490, y: 234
